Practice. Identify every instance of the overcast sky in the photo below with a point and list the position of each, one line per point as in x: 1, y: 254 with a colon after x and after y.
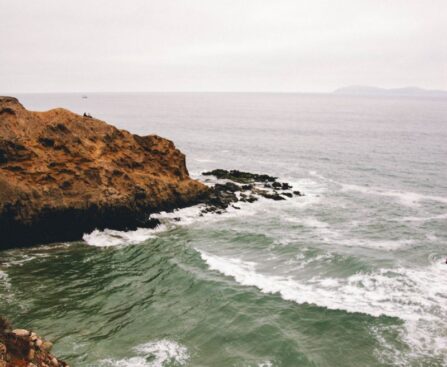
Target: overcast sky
x: 221, y: 45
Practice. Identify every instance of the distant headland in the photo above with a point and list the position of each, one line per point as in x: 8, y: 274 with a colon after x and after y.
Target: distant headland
x: 365, y: 90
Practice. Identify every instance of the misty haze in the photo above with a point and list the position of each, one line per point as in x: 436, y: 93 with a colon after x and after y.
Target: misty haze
x: 223, y: 183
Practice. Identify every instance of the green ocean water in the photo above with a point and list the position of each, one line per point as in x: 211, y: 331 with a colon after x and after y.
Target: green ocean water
x: 352, y: 274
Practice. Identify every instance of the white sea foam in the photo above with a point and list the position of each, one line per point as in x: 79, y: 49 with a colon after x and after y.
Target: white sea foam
x: 431, y: 237
x: 386, y: 352
x: 185, y: 217
x: 423, y: 219
x: 323, y: 178
x: 204, y: 160
x: 110, y: 237
x: 21, y: 258
x: 342, y: 237
x: 53, y: 246
x: 4, y: 280
x: 387, y: 245
x: 312, y: 190
x: 416, y: 296
x: 310, y: 222
x: 191, y: 215
x: 5, y: 283
x: 153, y: 354
x: 314, y: 222
x: 302, y: 260
x: 407, y: 198
x: 309, y: 187
x: 380, y: 293
x: 181, y: 217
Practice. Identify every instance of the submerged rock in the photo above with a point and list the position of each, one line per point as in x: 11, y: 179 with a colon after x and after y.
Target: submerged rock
x: 23, y: 348
x: 62, y: 175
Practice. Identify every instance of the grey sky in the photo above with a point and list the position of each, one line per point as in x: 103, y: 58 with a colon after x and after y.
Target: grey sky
x: 211, y: 45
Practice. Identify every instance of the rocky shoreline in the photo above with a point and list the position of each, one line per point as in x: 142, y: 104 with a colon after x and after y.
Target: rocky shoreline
x: 63, y: 175
x: 24, y: 348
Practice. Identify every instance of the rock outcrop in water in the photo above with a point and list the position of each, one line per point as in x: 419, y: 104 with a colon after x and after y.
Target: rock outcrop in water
x: 23, y: 348
x: 239, y: 186
x: 62, y: 175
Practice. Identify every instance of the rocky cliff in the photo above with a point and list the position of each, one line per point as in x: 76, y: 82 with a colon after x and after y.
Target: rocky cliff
x: 62, y: 174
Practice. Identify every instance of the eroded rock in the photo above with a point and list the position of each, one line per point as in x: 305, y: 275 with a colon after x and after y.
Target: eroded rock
x: 62, y: 175
x: 20, y: 348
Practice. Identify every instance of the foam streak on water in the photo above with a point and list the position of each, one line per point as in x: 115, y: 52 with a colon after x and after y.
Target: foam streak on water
x: 153, y: 354
x: 408, y: 294
x: 405, y: 197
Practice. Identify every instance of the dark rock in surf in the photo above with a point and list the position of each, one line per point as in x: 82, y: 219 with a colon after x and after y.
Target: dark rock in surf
x: 239, y: 176
x: 228, y: 187
x: 247, y: 187
x: 273, y: 196
x: 254, y: 185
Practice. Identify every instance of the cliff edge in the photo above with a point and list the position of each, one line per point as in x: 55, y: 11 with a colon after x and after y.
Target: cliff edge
x: 62, y: 175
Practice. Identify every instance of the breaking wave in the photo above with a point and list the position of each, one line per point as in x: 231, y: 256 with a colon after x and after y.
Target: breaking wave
x: 408, y: 294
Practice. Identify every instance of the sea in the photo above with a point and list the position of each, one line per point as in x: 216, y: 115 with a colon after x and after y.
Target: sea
x: 352, y: 274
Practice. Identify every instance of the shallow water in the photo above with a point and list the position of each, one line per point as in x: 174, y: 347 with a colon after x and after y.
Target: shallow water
x: 352, y: 274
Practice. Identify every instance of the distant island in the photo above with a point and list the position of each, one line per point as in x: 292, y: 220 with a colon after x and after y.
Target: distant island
x: 364, y: 90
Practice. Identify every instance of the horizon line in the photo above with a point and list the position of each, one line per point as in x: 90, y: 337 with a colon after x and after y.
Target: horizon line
x: 169, y: 91
x: 333, y: 91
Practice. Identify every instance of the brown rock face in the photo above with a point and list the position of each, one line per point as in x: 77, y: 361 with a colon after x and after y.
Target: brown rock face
x: 23, y: 348
x: 62, y: 175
